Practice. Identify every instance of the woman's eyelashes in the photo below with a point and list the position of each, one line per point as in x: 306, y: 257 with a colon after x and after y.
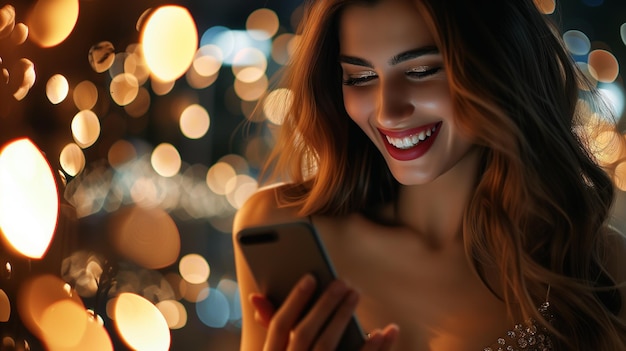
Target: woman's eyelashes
x: 420, y: 72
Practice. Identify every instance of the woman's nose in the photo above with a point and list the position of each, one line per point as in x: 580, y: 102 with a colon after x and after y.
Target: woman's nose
x: 395, y: 103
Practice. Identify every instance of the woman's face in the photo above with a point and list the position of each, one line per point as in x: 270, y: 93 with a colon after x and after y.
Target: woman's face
x: 395, y: 89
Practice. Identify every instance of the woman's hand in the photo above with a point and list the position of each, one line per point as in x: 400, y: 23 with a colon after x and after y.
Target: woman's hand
x: 322, y: 327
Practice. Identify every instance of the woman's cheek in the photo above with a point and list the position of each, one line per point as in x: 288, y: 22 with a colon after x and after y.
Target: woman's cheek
x: 358, y: 106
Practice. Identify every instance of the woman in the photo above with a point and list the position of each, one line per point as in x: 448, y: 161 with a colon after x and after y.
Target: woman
x: 432, y: 145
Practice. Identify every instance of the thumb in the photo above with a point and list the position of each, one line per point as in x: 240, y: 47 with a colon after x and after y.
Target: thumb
x: 264, y: 310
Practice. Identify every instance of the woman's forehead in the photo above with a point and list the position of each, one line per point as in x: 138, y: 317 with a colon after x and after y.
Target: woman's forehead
x: 388, y: 23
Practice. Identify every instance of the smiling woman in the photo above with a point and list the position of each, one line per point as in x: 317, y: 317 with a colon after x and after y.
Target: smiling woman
x: 442, y: 154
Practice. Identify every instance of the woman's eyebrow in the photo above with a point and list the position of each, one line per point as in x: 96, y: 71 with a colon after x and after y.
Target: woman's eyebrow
x: 401, y: 57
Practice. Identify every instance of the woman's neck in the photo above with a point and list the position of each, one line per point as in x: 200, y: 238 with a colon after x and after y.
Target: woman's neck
x: 435, y: 210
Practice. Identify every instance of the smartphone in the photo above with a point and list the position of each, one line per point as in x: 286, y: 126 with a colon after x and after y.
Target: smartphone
x: 279, y: 255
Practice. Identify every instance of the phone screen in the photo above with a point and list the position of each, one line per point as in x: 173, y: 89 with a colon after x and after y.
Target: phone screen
x: 279, y: 255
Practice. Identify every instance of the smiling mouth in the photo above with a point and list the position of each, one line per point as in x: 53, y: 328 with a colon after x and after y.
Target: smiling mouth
x: 411, y: 140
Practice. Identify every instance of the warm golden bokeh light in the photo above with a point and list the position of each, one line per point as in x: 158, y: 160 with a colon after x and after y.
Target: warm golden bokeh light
x: 85, y: 128
x: 5, y: 307
x: 174, y: 312
x: 52, y: 311
x: 140, y: 324
x: 72, y: 159
x: 51, y: 21
x: 605, y: 65
x: 243, y: 187
x: 546, y: 6
x: 194, y: 268
x: 140, y: 105
x: 249, y: 65
x: 262, y: 24
x: 29, y: 205
x: 101, y: 56
x: 85, y: 95
x: 208, y: 60
x: 280, y: 48
x: 161, y: 87
x: 24, y: 78
x: 120, y: 153
x: 194, y: 121
x: 170, y: 40
x: 124, y: 89
x: 194, y: 292
x: 218, y: 176
x: 147, y: 236
x: 251, y: 91
x: 166, y: 160
x: 57, y: 88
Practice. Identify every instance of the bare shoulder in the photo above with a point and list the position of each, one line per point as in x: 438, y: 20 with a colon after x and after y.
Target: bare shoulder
x: 263, y: 208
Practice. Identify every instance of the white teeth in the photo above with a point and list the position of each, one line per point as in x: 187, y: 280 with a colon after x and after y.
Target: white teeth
x: 412, y: 140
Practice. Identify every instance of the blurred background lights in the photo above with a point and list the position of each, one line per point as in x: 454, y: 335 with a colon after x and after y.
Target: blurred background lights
x: 614, y: 96
x: 29, y: 204
x: 51, y: 21
x: 546, y: 6
x: 85, y: 128
x: 57, y: 88
x: 72, y: 159
x: 170, y: 41
x: 5, y: 307
x: 262, y: 24
x: 622, y: 32
x: 147, y: 236
x: 605, y: 65
x: 249, y: 65
x: 166, y: 160
x: 124, y: 88
x: 208, y: 60
x: 194, y: 121
x: 101, y: 56
x: 231, y: 42
x: 52, y: 311
x: 85, y: 95
x: 194, y: 268
x: 214, y: 310
x: 174, y: 312
x: 577, y: 42
x: 140, y: 323
x: 218, y: 177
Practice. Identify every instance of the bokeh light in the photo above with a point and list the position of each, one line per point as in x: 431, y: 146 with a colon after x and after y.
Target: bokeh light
x: 57, y: 88
x: 262, y: 24
x: 170, y: 41
x: 51, y: 21
x: 605, y: 65
x: 85, y: 128
x: 147, y: 236
x: 140, y: 323
x: 166, y: 160
x: 72, y: 159
x: 29, y: 192
x: 194, y: 268
x: 194, y: 121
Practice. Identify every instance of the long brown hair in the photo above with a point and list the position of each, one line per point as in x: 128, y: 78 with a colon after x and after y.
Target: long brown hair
x: 539, y: 213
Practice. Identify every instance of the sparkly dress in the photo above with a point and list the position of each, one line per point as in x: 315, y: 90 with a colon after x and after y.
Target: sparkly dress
x: 526, y: 337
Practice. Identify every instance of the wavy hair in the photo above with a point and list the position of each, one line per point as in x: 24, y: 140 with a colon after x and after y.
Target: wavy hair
x: 542, y: 202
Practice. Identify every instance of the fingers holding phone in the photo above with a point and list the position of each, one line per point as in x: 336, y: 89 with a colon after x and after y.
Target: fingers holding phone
x: 324, y: 324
